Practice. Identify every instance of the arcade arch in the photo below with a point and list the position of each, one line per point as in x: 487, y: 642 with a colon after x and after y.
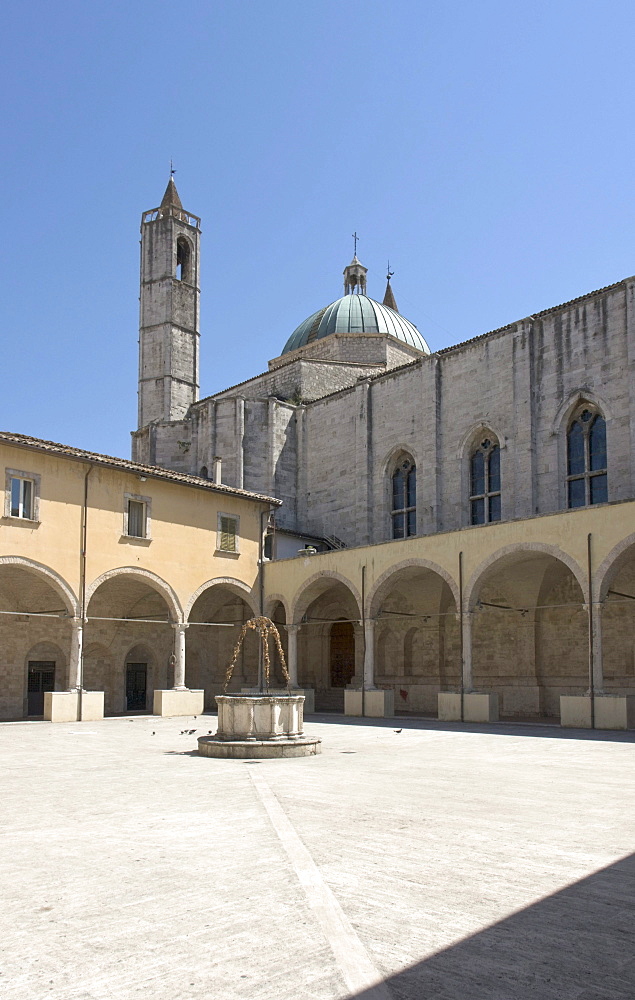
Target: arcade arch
x: 526, y: 630
x: 615, y: 618
x: 35, y: 635
x: 330, y: 638
x: 416, y: 634
x: 216, y: 615
x: 129, y: 617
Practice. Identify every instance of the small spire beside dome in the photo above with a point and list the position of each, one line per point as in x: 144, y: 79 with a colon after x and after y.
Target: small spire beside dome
x: 389, y: 297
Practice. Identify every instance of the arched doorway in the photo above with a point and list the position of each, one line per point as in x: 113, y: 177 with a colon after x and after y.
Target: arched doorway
x: 341, y: 654
x: 45, y: 664
x: 138, y: 660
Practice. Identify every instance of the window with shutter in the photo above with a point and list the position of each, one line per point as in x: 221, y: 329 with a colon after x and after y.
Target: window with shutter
x: 136, y: 518
x: 227, y: 537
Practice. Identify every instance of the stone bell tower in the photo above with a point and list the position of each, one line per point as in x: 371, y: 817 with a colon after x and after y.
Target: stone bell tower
x: 169, y: 311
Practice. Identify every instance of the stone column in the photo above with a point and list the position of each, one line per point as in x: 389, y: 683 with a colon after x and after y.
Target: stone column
x: 292, y: 654
x: 598, y: 666
x: 466, y: 666
x: 75, y: 660
x: 369, y: 654
x: 179, y: 656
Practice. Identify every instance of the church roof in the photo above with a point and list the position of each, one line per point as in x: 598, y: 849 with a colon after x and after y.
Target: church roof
x: 151, y: 471
x: 355, y: 313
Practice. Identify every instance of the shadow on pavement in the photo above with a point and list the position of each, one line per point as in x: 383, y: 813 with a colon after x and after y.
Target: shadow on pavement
x: 544, y: 730
x: 574, y: 945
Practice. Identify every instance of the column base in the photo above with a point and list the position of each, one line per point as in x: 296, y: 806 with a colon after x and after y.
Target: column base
x: 62, y: 706
x: 476, y: 707
x: 173, y: 702
x: 377, y: 704
x: 611, y: 711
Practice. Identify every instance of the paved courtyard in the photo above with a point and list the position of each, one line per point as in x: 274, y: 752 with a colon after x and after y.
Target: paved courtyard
x: 434, y: 863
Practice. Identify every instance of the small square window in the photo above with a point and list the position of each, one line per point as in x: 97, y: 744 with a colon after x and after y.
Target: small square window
x: 22, y: 495
x: 136, y: 516
x: 227, y: 538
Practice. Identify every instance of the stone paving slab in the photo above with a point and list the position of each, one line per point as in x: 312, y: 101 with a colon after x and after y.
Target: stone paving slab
x: 442, y: 862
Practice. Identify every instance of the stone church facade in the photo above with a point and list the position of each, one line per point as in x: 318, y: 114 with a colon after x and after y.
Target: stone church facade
x: 368, y: 439
x: 325, y: 428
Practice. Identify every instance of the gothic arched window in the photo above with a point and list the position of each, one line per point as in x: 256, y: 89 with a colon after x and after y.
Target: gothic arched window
x: 485, y: 482
x: 404, y: 499
x: 182, y: 260
x: 586, y: 458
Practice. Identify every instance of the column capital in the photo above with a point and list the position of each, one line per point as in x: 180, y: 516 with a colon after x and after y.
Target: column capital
x: 180, y: 625
x: 292, y: 629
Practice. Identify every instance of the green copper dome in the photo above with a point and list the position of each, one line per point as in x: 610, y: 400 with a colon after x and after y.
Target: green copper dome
x: 356, y: 313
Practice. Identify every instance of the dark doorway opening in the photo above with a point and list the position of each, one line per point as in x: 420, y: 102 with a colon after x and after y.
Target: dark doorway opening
x: 41, y: 678
x: 342, y: 654
x: 136, y: 686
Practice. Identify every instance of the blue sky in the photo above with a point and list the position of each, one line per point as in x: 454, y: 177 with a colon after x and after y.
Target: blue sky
x: 486, y: 149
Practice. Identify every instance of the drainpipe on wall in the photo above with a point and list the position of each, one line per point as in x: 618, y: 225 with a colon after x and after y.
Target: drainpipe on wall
x: 261, y: 585
x: 461, y: 633
x: 82, y: 592
x: 590, y: 599
x: 363, y: 641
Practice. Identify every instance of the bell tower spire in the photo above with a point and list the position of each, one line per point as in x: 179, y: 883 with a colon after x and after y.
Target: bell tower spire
x: 169, y: 310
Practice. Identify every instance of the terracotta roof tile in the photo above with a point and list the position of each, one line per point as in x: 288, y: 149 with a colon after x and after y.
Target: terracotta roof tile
x: 153, y: 471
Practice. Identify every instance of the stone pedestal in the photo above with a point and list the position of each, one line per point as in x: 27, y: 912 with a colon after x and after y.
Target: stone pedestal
x: 256, y: 725
x: 309, y: 696
x: 92, y: 706
x: 476, y: 707
x: 61, y: 706
x: 449, y: 706
x: 373, y: 703
x: 575, y: 711
x: 170, y: 702
x: 611, y: 711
